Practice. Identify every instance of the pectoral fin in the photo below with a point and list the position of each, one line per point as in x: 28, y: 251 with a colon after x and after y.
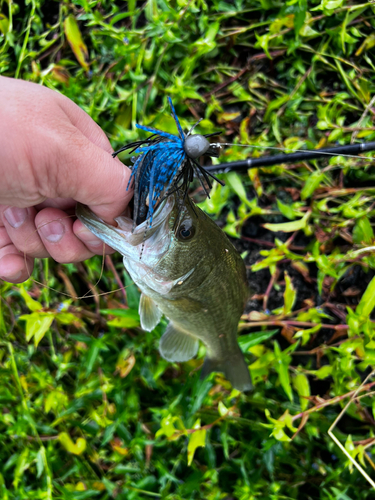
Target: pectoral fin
x: 149, y: 313
x: 176, y: 345
x: 234, y: 368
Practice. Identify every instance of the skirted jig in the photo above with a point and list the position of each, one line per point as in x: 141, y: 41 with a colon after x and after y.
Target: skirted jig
x: 166, y: 163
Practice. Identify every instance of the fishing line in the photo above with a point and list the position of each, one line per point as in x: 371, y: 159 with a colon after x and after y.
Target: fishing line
x: 306, y: 151
x: 54, y: 289
x: 85, y: 296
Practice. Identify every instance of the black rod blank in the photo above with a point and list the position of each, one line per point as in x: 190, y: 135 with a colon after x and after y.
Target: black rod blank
x: 267, y: 161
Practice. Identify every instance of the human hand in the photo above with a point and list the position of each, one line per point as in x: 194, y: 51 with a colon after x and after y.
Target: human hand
x: 52, y: 155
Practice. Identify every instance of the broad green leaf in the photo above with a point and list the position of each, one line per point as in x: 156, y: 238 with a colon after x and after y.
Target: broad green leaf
x: 324, y: 372
x: 169, y: 429
x: 312, y: 183
x: 282, y: 368
x: 308, y: 31
x: 279, y: 434
x: 188, y: 93
x: 211, y: 33
x: 299, y: 15
x: 4, y: 24
x: 363, y: 232
x: 278, y: 426
x: 351, y: 449
x: 306, y: 333
x: 170, y: 37
x: 283, y: 371
x: 236, y: 183
x: 76, y: 42
x: 253, y: 339
x: 49, y: 402
x: 276, y: 103
x: 287, y: 418
x: 289, y: 227
x: 196, y: 439
x: 302, y: 386
x: 93, y: 353
x: 227, y: 117
x: 32, y: 304
x: 332, y: 4
x: 280, y: 22
x: 367, y: 44
x: 40, y: 456
x: 67, y: 318
x: 56, y: 400
x: 76, y: 448
x: 21, y: 465
x: 42, y: 328
x: 37, y: 324
x: 262, y: 42
x: 121, y: 16
x: 123, y: 322
x: 329, y: 6
x: 290, y: 294
x: 232, y: 225
x: 218, y: 199
x: 367, y: 302
x: 286, y: 210
x: 222, y: 409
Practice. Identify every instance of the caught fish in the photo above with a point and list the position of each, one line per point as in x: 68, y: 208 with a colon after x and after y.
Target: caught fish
x: 191, y: 273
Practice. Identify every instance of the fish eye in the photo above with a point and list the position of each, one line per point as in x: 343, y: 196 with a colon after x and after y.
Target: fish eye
x: 186, y: 230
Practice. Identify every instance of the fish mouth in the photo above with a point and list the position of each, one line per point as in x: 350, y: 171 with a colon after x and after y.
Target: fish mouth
x: 120, y: 237
x: 143, y: 231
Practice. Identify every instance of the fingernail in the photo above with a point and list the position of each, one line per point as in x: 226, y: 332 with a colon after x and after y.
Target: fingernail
x: 52, y: 232
x: 15, y: 216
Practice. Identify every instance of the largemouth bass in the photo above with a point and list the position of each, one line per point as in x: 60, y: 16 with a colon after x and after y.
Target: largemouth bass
x: 189, y: 271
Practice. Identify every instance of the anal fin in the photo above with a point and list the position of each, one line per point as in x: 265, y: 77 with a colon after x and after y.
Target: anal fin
x: 149, y: 313
x: 176, y: 345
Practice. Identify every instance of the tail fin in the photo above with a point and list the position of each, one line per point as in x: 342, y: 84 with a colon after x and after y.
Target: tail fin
x: 233, y: 367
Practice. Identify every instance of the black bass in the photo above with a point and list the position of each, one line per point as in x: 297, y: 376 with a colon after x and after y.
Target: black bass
x: 190, y: 272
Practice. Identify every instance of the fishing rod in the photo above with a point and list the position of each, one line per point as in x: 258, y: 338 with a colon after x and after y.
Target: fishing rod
x: 350, y: 150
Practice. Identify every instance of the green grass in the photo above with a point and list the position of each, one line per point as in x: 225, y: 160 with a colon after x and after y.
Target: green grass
x: 93, y: 411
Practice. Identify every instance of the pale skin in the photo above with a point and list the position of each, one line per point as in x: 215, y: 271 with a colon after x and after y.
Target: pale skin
x: 52, y: 155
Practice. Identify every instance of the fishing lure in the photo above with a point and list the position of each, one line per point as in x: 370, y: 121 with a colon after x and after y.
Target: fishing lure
x: 166, y: 163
